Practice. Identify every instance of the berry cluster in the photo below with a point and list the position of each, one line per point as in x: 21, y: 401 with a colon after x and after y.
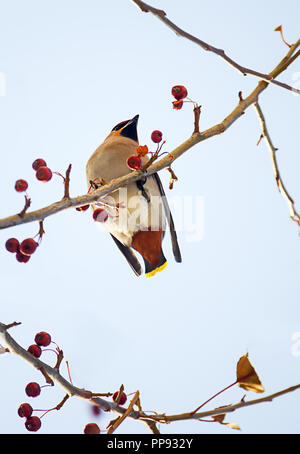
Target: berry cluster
x: 43, y: 173
x: 26, y: 248
x: 134, y: 162
x: 23, y: 250
x: 33, y: 389
x: 93, y: 428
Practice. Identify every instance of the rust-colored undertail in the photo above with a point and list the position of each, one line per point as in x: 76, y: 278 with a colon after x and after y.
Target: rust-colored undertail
x: 148, y: 244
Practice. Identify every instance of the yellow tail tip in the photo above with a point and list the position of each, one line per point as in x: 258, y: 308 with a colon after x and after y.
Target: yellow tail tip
x: 160, y: 268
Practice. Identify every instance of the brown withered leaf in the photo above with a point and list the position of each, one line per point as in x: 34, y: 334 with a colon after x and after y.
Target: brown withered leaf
x: 278, y: 29
x: 220, y: 418
x: 232, y: 425
x: 247, y: 377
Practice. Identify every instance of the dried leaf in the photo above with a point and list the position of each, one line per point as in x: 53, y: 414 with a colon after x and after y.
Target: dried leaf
x: 232, y: 425
x: 247, y: 377
x: 278, y: 29
x: 219, y: 418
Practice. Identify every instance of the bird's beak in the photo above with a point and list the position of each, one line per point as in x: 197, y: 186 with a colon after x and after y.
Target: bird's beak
x: 134, y: 120
x: 129, y: 129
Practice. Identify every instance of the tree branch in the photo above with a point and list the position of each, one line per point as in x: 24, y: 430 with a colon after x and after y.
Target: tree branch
x: 135, y: 175
x: 161, y: 15
x: 265, y: 134
x: 150, y: 420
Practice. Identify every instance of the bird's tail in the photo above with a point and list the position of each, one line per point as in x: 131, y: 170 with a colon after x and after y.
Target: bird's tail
x: 151, y: 270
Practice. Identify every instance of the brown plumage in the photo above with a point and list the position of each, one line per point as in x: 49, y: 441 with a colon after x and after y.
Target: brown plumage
x: 140, y: 221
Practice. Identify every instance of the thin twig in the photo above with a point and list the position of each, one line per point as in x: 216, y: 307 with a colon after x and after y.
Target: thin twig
x: 67, y: 182
x: 265, y: 134
x: 72, y: 390
x: 161, y: 15
x: 127, y: 413
x: 173, y: 177
x: 197, y: 112
x: 26, y: 206
x: 162, y: 163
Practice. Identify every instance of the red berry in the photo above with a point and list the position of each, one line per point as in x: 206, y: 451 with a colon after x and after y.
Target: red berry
x: 83, y: 208
x: 12, y: 245
x: 33, y: 389
x: 43, y: 339
x: 179, y: 92
x: 96, y: 410
x: 33, y: 423
x: 177, y: 105
x: 22, y: 258
x: 91, y: 428
x: 21, y: 185
x: 122, y: 399
x: 28, y: 246
x: 134, y: 162
x: 156, y: 136
x: 35, y: 350
x: 43, y: 173
x: 25, y: 410
x: 39, y: 163
x: 100, y: 215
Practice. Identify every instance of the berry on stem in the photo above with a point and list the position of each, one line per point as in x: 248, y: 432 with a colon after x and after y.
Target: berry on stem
x: 100, y: 215
x: 22, y: 258
x: 156, y: 136
x: 134, y: 162
x: 33, y: 423
x: 28, y: 246
x: 21, y: 185
x: 35, y: 350
x: 44, y: 173
x: 96, y: 410
x: 39, y: 163
x: 25, y: 410
x: 33, y: 389
x: 179, y: 92
x: 12, y: 245
x: 91, y: 428
x: 122, y: 399
x: 42, y: 339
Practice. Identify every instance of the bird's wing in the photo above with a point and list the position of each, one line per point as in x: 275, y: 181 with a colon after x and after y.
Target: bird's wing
x: 129, y: 256
x: 175, y: 246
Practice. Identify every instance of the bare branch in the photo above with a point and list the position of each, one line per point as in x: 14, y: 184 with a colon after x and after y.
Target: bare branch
x: 150, y: 420
x: 135, y: 175
x: 265, y: 134
x: 161, y: 15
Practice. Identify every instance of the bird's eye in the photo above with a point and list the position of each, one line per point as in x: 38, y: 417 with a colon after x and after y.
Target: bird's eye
x: 120, y: 125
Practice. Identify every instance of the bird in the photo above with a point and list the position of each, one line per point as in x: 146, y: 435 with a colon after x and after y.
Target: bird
x: 137, y: 214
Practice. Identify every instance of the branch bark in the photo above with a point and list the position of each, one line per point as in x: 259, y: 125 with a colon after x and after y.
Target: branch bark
x: 161, y: 15
x: 149, y: 420
x: 135, y: 175
x: 265, y: 134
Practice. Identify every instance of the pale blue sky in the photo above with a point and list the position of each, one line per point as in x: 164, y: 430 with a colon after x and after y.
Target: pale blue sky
x: 73, y: 70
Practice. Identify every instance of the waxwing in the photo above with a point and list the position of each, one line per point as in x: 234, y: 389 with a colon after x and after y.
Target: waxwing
x: 135, y: 215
